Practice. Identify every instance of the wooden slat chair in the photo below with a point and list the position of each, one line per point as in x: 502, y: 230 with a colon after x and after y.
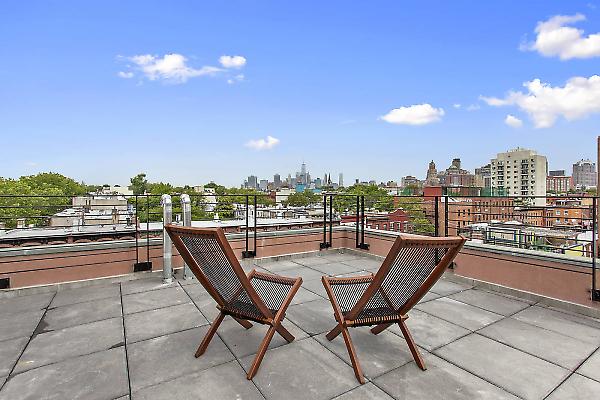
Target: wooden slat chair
x: 257, y: 297
x: 411, y: 268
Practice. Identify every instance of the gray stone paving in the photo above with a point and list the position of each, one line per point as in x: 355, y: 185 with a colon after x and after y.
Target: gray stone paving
x: 136, y: 340
x: 591, y: 367
x: 15, y: 305
x: 82, y: 313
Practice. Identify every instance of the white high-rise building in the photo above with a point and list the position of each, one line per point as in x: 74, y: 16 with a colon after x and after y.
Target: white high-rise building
x: 341, y: 180
x: 520, y: 172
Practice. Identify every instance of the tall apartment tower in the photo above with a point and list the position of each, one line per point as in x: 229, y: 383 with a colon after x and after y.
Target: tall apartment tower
x: 277, y: 181
x: 341, y: 180
x: 584, y: 174
x: 303, y: 175
x: 252, y: 182
x: 520, y: 172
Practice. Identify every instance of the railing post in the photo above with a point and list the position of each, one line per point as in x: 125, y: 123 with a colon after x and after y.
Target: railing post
x: 362, y: 220
x: 437, y: 216
x: 249, y: 253
x: 446, y: 216
x: 137, y: 233
x: 595, y: 290
x: 255, y: 217
x: 324, y: 244
x: 330, y: 220
x: 167, y: 205
x: 247, y: 227
x: 144, y: 265
x: 357, y: 217
x: 186, y: 209
x: 362, y: 244
x: 148, y: 230
x: 324, y: 241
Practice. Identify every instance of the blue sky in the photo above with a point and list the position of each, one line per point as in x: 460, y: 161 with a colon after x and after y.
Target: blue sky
x: 316, y: 76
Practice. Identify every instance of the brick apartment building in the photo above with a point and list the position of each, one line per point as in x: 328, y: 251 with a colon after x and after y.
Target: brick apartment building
x: 397, y: 220
x: 558, y: 184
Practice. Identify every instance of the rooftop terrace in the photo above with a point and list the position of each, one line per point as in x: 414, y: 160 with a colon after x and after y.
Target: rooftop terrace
x: 136, y: 339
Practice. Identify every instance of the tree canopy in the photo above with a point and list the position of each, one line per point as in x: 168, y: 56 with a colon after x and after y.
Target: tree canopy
x: 36, y: 197
x: 139, y: 184
x: 303, y: 199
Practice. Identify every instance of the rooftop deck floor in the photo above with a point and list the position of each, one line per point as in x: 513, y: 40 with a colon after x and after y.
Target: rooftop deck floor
x: 137, y: 340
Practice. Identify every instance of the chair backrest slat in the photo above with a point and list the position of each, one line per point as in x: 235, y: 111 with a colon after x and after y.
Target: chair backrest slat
x: 210, y: 257
x: 411, y: 267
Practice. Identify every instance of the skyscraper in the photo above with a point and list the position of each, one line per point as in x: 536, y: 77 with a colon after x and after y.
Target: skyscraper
x: 341, y: 180
x: 252, y: 182
x: 584, y: 174
x: 277, y: 181
x: 302, y: 177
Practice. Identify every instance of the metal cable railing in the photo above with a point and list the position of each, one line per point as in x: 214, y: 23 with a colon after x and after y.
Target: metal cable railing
x: 555, y: 224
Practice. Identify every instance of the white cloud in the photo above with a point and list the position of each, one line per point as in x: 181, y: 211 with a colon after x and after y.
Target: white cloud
x: 544, y: 103
x: 555, y: 38
x: 232, y: 61
x: 171, y: 67
x: 174, y: 68
x: 125, y: 75
x: 263, y: 144
x: 513, y: 121
x: 235, y: 79
x: 473, y: 107
x: 457, y: 105
x: 418, y: 114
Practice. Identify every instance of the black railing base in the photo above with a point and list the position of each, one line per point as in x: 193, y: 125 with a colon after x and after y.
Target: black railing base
x: 323, y: 246
x: 4, y: 283
x: 596, y: 295
x: 248, y: 254
x: 363, y: 246
x: 142, y: 266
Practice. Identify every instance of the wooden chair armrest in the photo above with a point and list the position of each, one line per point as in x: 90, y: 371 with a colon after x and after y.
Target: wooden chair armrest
x: 348, y: 279
x: 284, y: 280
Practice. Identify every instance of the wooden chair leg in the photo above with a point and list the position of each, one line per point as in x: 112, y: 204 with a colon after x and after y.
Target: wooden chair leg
x: 411, y: 345
x: 285, y: 333
x: 376, y: 330
x: 353, y: 357
x: 244, y: 323
x: 334, y: 332
x: 209, y: 335
x: 261, y: 352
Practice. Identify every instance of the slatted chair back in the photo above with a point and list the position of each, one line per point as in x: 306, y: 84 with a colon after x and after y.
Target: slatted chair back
x: 412, y: 266
x: 212, y: 260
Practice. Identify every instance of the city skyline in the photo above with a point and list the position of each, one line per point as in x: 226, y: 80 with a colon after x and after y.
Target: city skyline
x: 582, y: 175
x: 378, y: 99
